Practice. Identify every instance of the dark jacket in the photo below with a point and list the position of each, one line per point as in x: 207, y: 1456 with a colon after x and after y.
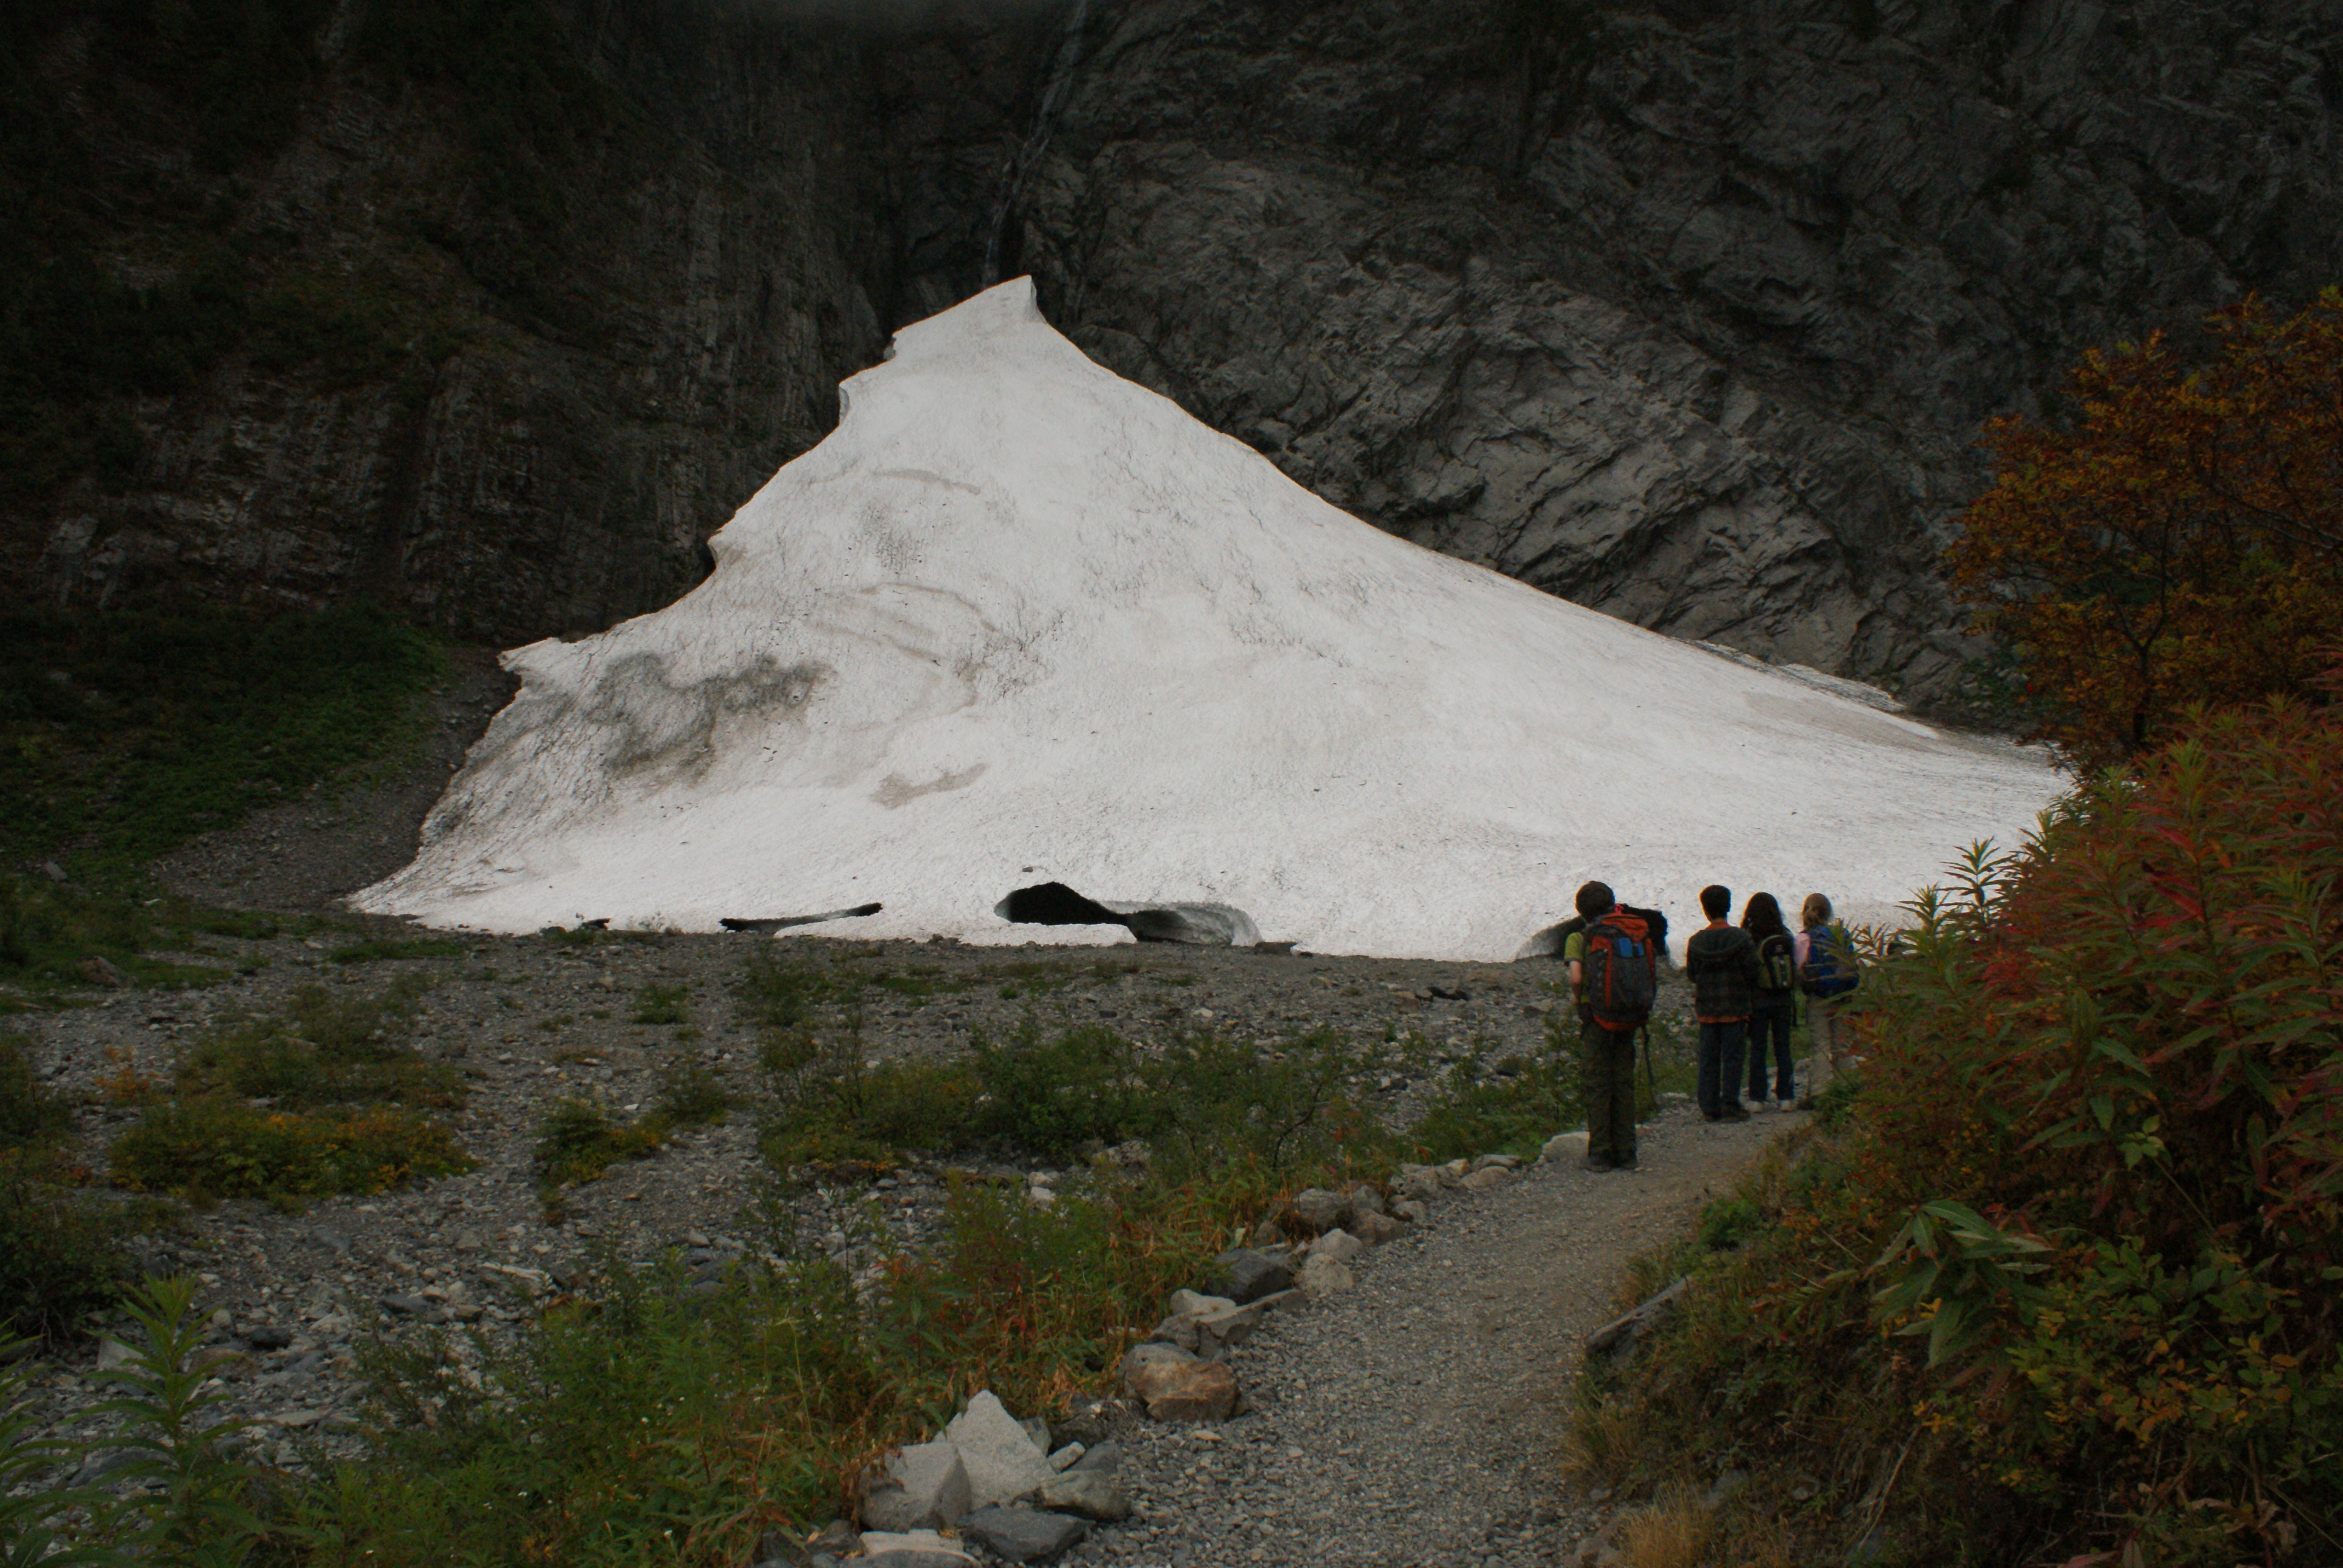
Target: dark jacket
x: 1723, y: 964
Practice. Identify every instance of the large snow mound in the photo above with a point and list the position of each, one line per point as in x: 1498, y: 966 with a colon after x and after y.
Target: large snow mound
x: 1020, y: 620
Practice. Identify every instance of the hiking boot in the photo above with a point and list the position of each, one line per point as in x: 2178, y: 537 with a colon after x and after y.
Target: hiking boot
x: 1596, y: 1162
x: 1712, y: 1116
x: 1734, y: 1114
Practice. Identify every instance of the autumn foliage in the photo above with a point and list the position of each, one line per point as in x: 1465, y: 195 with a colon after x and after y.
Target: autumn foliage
x: 2178, y: 540
x: 2072, y: 1274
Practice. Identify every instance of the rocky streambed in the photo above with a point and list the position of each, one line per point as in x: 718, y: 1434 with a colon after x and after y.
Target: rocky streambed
x: 291, y: 1298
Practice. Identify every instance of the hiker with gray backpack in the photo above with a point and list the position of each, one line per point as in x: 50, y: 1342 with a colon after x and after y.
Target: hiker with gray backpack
x: 1777, y: 1011
x: 1828, y: 973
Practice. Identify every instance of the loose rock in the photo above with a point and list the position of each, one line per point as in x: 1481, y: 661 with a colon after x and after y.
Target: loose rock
x: 1023, y: 1535
x: 925, y: 1486
x: 1245, y: 1275
x: 998, y: 1454
x: 1176, y: 1386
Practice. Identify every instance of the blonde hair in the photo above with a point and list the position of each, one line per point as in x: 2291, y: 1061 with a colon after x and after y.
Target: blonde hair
x: 1814, y: 912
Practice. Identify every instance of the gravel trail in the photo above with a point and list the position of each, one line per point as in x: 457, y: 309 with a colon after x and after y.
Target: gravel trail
x: 1414, y: 1421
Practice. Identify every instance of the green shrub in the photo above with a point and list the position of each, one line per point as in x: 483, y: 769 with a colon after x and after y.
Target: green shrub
x: 1049, y: 1097
x: 2073, y: 1252
x: 662, y: 1004
x: 579, y: 1139
x: 213, y: 1147
x: 169, y: 723
x: 30, y: 1112
x: 691, y: 1091
x: 1724, y: 1222
x: 834, y: 1108
x: 1479, y: 1111
x: 325, y: 1049
x: 61, y: 1251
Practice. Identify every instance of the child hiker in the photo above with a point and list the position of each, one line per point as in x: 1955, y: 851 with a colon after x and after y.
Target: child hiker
x: 1721, y: 960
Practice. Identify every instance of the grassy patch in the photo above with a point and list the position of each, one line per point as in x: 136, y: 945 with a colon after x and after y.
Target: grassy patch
x: 125, y: 734
x: 661, y: 1004
x: 1200, y: 1100
x: 61, y: 1253
x: 580, y: 1138
x: 691, y: 1092
x: 338, y: 1092
x: 215, y: 1148
x: 57, y: 938
x: 834, y: 1106
x: 1482, y: 1110
x: 659, y: 1424
x: 324, y: 1050
x: 61, y: 1250
x: 31, y: 1112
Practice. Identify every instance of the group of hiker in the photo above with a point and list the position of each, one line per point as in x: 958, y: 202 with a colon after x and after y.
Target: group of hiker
x: 1746, y: 980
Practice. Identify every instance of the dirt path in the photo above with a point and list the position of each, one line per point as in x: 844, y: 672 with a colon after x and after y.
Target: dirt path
x: 1414, y: 1422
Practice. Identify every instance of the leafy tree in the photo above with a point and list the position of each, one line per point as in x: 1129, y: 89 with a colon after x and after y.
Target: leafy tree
x: 2177, y: 540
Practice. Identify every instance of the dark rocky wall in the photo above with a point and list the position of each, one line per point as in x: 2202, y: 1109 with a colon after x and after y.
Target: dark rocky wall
x: 1690, y: 312
x: 1687, y: 311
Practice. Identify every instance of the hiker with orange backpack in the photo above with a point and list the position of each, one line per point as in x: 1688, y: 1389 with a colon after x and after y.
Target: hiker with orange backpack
x: 1720, y: 959
x: 1614, y: 977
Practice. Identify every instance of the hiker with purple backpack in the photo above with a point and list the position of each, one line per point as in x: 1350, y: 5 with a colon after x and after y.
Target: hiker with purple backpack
x: 1828, y: 972
x: 1722, y: 961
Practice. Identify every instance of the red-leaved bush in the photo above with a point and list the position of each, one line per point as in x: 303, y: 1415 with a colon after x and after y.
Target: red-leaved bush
x: 2145, y: 1007
x: 2162, y: 984
x: 2062, y: 1286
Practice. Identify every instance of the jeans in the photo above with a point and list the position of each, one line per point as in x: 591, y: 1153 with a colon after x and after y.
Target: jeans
x: 1606, y: 1064
x: 1720, y: 1065
x: 1772, y: 1024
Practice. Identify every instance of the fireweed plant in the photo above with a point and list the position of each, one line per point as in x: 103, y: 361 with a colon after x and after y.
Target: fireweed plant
x: 2064, y: 1285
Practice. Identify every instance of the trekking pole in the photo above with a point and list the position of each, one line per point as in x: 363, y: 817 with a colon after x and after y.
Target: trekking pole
x: 1651, y: 1084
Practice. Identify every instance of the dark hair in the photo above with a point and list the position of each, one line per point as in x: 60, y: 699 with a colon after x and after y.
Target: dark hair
x: 1596, y: 899
x: 1763, y: 915
x: 1814, y: 912
x: 1715, y: 902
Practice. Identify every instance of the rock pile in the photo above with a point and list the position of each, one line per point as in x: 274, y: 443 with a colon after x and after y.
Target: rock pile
x: 1025, y: 1491
x: 1029, y: 1491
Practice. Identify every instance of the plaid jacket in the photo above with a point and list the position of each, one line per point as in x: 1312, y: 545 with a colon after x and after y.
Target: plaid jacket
x: 1723, y: 965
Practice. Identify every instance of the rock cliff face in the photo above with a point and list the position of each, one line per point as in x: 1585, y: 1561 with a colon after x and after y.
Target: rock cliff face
x: 499, y: 346
x: 1687, y: 311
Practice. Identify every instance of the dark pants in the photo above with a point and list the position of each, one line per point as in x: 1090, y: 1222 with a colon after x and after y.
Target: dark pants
x: 1720, y: 1065
x: 1606, y: 1064
x: 1772, y: 1024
